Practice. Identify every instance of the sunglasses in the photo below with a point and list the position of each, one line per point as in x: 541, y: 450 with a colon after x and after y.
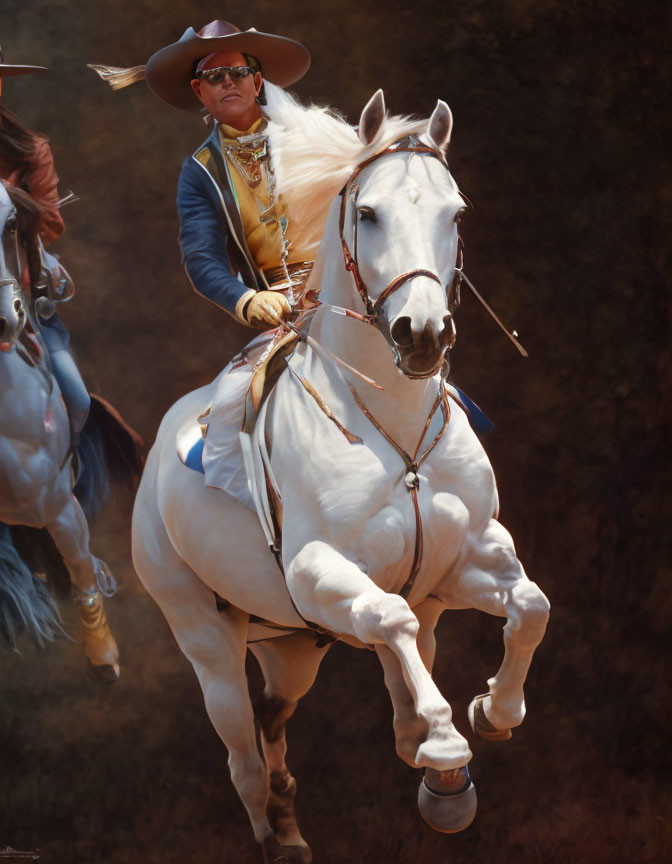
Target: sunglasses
x: 219, y: 73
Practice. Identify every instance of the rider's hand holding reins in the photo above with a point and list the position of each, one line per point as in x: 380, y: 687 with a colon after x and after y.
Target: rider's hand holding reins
x: 267, y: 308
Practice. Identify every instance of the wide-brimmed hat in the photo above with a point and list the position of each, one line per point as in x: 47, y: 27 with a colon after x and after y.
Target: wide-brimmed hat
x: 170, y: 70
x: 8, y: 69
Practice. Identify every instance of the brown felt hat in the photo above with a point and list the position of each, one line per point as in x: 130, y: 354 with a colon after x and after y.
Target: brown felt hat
x: 7, y: 69
x: 170, y: 70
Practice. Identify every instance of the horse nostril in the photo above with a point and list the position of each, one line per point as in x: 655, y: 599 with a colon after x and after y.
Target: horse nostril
x: 3, y: 325
x: 17, y: 306
x: 401, y: 332
x: 448, y: 334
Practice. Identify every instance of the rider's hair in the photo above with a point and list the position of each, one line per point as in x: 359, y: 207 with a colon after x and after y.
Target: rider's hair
x: 17, y: 142
x: 255, y: 65
x: 28, y: 216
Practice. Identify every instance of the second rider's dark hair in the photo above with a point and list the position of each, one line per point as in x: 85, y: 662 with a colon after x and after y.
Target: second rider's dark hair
x: 18, y: 142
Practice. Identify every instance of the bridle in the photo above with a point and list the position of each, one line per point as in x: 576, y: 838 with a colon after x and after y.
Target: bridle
x: 17, y: 292
x: 350, y: 191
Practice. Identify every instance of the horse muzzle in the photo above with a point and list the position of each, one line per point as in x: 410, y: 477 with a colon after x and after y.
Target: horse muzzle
x: 12, y: 314
x: 420, y: 353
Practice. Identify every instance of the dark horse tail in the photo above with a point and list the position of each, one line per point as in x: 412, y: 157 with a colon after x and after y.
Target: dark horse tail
x: 26, y: 601
x: 111, y: 454
x: 32, y: 572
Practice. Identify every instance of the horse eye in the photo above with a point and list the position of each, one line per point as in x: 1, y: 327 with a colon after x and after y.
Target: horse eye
x: 367, y: 214
x: 10, y: 224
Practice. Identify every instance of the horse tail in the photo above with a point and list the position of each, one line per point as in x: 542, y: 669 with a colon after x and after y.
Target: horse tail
x: 26, y: 603
x: 111, y: 454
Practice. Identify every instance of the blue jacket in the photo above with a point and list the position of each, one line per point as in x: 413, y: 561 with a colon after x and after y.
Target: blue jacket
x: 212, y: 240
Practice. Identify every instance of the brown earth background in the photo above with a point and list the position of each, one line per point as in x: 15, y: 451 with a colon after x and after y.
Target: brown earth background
x: 560, y: 132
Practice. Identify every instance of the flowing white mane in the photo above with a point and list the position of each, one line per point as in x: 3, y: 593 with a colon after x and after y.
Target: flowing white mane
x: 314, y: 151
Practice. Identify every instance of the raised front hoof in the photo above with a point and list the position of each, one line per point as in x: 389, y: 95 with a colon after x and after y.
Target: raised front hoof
x: 274, y: 853
x: 480, y: 723
x: 108, y: 673
x: 445, y: 810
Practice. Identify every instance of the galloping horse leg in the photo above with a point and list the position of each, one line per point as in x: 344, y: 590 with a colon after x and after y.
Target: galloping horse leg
x: 493, y: 581
x: 289, y: 664
x: 70, y: 532
x: 410, y: 730
x: 215, y: 644
x: 447, y: 798
x: 332, y: 591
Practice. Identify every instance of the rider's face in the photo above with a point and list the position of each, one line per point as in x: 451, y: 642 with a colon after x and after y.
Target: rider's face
x: 231, y: 101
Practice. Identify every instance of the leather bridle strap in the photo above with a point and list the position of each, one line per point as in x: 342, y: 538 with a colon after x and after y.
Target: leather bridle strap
x: 398, y: 282
x: 373, y: 307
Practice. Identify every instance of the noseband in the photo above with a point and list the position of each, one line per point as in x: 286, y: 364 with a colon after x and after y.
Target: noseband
x: 373, y: 307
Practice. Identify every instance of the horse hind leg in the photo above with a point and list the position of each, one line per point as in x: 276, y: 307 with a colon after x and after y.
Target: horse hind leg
x: 70, y: 532
x: 289, y: 665
x: 215, y: 644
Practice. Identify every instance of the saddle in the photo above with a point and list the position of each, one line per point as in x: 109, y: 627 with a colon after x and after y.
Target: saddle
x: 191, y: 437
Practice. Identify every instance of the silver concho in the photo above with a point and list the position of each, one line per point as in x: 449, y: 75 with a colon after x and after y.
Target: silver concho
x: 412, y: 480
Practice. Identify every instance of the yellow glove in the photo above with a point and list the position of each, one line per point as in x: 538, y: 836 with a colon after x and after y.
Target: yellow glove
x: 267, y: 308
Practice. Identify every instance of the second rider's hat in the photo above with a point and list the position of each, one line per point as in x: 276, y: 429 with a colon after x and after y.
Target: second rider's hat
x: 9, y: 69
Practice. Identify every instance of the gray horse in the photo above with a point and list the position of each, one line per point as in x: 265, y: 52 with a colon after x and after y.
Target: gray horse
x: 44, y: 533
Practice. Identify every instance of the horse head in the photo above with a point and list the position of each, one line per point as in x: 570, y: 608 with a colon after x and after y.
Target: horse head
x: 19, y: 216
x: 399, y: 221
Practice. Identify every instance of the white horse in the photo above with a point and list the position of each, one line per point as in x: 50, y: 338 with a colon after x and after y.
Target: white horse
x: 386, y: 499
x: 36, y: 479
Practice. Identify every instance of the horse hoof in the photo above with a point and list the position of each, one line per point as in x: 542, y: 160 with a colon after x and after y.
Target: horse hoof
x: 480, y: 723
x: 274, y: 853
x: 106, y: 674
x: 298, y: 854
x: 445, y: 810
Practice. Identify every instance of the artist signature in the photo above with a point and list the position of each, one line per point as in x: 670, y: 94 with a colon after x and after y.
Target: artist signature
x: 7, y: 853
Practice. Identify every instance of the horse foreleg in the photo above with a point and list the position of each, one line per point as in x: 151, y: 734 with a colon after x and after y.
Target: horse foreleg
x: 333, y: 592
x: 493, y: 581
x: 70, y: 532
x: 410, y: 730
x: 289, y: 665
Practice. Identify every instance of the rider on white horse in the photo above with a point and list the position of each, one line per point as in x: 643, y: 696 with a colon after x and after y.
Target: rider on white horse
x: 239, y: 248
x: 235, y: 238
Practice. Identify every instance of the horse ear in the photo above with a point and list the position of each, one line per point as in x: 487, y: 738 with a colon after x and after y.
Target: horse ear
x: 372, y: 116
x: 440, y: 126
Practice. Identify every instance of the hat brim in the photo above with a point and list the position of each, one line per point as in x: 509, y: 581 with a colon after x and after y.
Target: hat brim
x: 169, y: 71
x: 7, y: 70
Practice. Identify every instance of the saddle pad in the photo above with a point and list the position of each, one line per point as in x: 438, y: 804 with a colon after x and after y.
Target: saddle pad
x: 190, y: 446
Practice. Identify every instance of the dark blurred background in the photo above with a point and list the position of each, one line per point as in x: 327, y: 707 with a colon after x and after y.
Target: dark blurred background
x: 561, y: 127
